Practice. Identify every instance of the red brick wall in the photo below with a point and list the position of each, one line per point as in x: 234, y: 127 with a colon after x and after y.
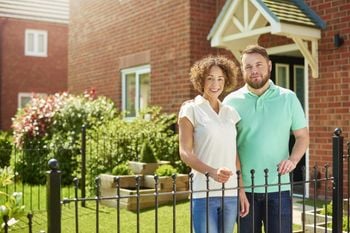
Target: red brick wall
x: 21, y: 73
x: 203, y: 15
x: 172, y: 32
x: 174, y: 35
x: 329, y: 95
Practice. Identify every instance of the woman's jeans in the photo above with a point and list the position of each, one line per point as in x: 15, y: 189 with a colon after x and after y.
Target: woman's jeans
x: 279, y: 216
x: 215, y: 215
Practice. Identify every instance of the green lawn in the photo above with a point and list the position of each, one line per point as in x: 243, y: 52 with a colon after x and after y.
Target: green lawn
x: 108, y: 220
x: 34, y: 199
x: 107, y: 217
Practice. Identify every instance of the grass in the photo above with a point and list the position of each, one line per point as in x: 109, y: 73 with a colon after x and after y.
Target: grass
x: 107, y: 216
x: 34, y: 199
x: 108, y: 220
x: 312, y: 202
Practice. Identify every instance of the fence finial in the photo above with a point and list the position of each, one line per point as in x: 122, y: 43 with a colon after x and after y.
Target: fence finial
x: 53, y: 164
x: 337, y: 132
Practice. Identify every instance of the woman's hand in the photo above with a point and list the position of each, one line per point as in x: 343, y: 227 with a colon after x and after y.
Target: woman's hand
x: 221, y: 175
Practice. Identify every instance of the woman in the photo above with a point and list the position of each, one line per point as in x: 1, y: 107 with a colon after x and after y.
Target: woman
x: 207, y: 135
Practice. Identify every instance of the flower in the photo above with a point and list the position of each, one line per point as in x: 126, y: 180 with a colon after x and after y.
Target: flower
x: 34, y: 120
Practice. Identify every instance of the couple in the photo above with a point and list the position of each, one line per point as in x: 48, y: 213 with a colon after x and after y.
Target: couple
x: 262, y: 116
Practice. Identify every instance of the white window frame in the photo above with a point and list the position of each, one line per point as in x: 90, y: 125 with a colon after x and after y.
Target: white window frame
x: 286, y: 66
x: 138, y: 71
x: 36, y: 34
x: 30, y: 95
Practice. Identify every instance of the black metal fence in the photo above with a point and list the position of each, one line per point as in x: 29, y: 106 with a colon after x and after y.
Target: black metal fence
x: 55, y: 202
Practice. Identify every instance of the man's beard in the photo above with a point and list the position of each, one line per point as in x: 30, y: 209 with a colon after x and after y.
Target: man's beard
x: 258, y: 85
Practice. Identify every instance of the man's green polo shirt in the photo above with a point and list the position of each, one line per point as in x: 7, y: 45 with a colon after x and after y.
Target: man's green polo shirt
x: 264, y: 131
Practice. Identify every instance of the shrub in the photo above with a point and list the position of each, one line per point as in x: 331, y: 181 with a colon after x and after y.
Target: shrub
x: 147, y: 155
x: 5, y: 149
x: 119, y: 141
x: 181, y: 167
x: 51, y: 127
x: 165, y: 170
x: 31, y: 130
x: 121, y: 169
x: 65, y: 140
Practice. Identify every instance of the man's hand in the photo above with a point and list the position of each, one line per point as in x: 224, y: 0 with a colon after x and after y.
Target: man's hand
x: 286, y: 166
x: 244, y: 203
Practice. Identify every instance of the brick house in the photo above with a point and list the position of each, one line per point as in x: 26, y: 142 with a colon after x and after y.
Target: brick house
x: 33, y: 55
x: 139, y: 53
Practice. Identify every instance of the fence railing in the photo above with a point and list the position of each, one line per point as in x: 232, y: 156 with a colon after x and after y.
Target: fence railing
x: 55, y: 202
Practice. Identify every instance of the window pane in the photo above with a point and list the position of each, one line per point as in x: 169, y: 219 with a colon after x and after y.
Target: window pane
x: 130, y: 90
x: 299, y: 84
x: 24, y: 100
x: 40, y: 43
x: 282, y: 77
x: 144, y: 90
x: 30, y: 42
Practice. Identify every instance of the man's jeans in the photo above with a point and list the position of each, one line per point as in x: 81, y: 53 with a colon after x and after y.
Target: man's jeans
x: 276, y: 223
x: 215, y: 215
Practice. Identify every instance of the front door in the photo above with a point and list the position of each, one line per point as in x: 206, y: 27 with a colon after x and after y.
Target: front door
x: 288, y: 72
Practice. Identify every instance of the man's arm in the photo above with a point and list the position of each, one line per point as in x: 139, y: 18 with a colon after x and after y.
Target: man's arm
x: 299, y: 149
x: 300, y: 146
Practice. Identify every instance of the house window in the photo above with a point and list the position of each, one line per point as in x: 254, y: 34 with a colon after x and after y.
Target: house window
x: 25, y: 98
x: 35, y: 43
x: 282, y: 75
x: 135, y: 90
x: 299, y: 83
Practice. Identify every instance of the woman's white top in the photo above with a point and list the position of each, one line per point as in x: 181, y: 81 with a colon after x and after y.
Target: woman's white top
x: 214, y: 143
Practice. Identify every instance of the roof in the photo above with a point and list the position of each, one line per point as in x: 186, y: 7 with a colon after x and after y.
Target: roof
x: 242, y: 22
x: 41, y: 10
x: 294, y: 11
x: 288, y: 11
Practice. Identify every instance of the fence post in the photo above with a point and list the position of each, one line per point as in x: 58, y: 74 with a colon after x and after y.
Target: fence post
x: 337, y: 215
x: 83, y: 164
x: 53, y: 189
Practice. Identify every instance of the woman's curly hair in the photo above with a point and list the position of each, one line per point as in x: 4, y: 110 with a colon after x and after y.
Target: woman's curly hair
x: 200, y: 70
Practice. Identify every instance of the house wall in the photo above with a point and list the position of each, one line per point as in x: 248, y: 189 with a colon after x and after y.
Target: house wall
x: 29, y: 74
x: 329, y: 95
x: 170, y: 35
x: 107, y: 36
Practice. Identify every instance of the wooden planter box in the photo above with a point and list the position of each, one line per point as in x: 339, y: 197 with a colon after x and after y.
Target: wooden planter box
x: 143, y: 168
x: 147, y: 191
x: 165, y: 183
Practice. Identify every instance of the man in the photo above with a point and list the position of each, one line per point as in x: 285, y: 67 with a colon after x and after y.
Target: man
x: 269, y: 114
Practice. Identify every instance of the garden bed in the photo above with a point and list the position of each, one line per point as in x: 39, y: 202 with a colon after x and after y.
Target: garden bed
x: 147, y: 190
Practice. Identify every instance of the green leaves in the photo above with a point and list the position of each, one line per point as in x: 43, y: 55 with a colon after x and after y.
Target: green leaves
x: 166, y: 170
x: 147, y: 155
x: 10, y: 205
x: 51, y: 127
x: 119, y: 141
